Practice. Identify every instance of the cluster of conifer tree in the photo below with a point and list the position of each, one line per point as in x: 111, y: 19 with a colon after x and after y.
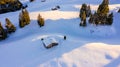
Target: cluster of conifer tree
x: 9, y: 29
x: 102, y: 16
x: 10, y: 5
x: 85, y: 11
x: 24, y: 18
x: 6, y: 1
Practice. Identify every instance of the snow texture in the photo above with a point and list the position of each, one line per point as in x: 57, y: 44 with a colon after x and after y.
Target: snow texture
x: 91, y: 46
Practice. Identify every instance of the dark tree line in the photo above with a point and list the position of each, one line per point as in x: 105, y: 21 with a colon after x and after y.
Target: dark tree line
x: 24, y: 19
x: 100, y: 17
x: 10, y: 5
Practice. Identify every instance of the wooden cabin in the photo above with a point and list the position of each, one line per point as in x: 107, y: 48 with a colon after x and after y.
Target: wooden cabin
x: 49, y: 42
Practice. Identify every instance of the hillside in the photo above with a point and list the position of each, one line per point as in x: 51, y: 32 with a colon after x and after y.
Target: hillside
x: 82, y: 48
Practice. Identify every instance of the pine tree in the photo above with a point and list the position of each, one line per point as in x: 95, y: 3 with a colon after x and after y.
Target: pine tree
x: 83, y: 19
x: 24, y: 18
x: 84, y: 16
x: 40, y: 21
x: 110, y: 19
x: 3, y: 33
x: 10, y: 27
x: 91, y: 18
x: 103, y: 8
x: 27, y: 17
x: 83, y: 8
x: 10, y: 5
x: 88, y: 12
x: 21, y: 20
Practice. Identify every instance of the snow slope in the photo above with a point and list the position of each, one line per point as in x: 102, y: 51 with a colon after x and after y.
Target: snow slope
x: 85, y: 47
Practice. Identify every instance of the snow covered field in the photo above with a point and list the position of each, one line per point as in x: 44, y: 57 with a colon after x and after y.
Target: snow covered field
x: 83, y: 47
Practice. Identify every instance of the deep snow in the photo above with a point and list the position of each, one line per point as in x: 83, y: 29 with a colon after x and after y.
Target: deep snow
x: 92, y: 46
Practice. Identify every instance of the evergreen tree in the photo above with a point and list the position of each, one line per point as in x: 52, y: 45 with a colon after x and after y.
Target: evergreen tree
x: 24, y: 18
x: 10, y: 27
x: 3, y: 33
x: 110, y: 19
x: 84, y: 16
x: 40, y: 21
x: 83, y: 19
x: 21, y: 20
x: 27, y: 17
x: 103, y: 8
x: 91, y: 18
x: 83, y: 8
x: 88, y: 12
x: 10, y: 5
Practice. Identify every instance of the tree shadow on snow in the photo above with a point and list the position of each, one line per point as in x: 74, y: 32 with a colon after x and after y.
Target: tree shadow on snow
x: 114, y: 63
x: 21, y: 33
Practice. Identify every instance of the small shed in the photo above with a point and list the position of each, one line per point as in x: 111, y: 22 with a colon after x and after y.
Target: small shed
x: 49, y: 42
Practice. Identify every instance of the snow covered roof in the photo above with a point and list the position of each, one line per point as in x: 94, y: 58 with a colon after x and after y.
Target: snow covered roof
x: 47, y: 41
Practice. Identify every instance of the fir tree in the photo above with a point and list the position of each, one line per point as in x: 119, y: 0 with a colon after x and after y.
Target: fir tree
x: 83, y: 19
x: 91, y: 18
x: 110, y: 19
x: 21, y: 20
x: 88, y: 12
x: 27, y: 17
x: 24, y: 18
x: 83, y: 8
x: 3, y: 33
x: 40, y: 21
x: 10, y: 27
x: 103, y: 8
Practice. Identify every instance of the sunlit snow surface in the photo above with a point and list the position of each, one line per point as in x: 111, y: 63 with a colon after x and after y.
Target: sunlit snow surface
x: 91, y: 46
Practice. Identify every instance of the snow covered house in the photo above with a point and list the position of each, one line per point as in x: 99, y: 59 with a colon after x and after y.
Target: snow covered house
x: 49, y: 42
